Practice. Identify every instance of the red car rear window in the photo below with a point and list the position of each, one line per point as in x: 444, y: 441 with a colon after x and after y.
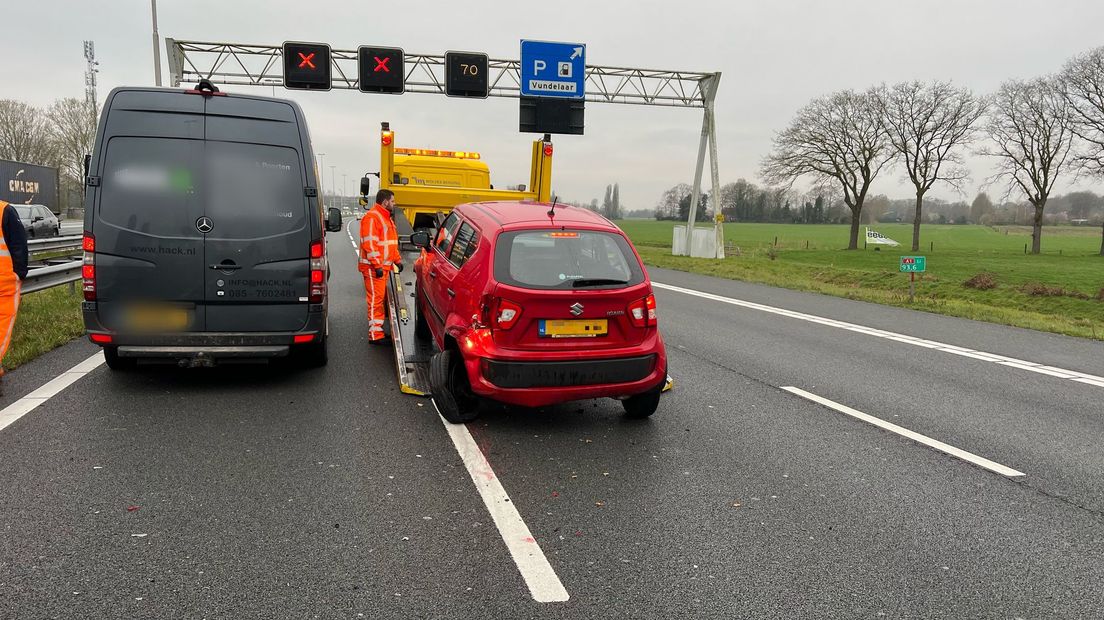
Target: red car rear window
x: 563, y: 259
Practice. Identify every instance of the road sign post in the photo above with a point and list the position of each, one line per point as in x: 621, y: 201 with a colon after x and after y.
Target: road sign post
x: 913, y: 265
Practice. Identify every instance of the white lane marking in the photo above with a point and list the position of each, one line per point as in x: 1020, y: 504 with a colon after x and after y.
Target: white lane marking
x: 1011, y: 362
x: 544, y: 585
x: 349, y: 229
x: 52, y: 388
x: 904, y: 432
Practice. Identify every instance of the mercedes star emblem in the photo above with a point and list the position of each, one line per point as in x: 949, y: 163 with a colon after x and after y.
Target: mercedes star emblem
x: 205, y: 225
x: 577, y: 309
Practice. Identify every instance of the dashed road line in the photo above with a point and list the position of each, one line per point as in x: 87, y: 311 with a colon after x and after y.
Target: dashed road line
x: 1011, y: 362
x: 904, y: 432
x: 543, y: 583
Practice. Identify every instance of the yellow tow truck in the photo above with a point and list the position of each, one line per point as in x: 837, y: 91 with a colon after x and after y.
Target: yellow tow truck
x: 428, y: 183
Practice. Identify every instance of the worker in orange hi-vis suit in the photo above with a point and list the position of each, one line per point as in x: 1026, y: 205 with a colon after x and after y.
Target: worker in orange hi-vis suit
x: 379, y: 256
x: 13, y: 268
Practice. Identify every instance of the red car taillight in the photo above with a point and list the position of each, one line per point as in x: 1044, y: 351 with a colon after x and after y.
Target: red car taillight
x: 642, y: 312
x: 88, y: 269
x: 317, y: 272
x: 506, y: 314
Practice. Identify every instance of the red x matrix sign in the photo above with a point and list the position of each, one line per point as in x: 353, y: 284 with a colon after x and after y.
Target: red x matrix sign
x: 381, y: 69
x: 306, y: 66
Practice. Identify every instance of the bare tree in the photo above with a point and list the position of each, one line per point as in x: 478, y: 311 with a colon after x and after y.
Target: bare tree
x: 926, y: 124
x: 23, y: 133
x: 838, y: 138
x: 73, y: 130
x: 1029, y: 125
x: 1082, y: 81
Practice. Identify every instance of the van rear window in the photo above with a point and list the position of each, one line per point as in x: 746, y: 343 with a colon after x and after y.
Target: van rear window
x: 254, y: 190
x: 565, y: 260
x: 160, y: 186
x: 152, y: 185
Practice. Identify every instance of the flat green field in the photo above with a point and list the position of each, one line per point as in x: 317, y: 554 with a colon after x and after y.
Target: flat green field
x: 1061, y: 290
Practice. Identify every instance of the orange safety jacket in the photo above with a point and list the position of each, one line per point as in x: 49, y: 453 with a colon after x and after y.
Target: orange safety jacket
x: 379, y: 241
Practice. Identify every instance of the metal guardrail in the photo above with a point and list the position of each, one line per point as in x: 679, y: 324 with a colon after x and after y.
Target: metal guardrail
x: 55, y: 244
x: 48, y: 277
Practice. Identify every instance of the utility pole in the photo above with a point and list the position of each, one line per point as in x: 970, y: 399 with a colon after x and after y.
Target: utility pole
x: 156, y: 46
x: 333, y: 183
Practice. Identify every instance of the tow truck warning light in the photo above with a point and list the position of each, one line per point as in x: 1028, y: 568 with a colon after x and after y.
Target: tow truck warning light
x: 306, y: 66
x: 381, y: 70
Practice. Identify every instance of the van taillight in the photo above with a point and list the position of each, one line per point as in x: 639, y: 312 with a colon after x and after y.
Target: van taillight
x: 642, y: 312
x: 506, y: 314
x: 88, y: 268
x: 317, y: 272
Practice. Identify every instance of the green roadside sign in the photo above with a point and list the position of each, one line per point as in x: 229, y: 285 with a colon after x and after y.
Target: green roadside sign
x: 913, y: 264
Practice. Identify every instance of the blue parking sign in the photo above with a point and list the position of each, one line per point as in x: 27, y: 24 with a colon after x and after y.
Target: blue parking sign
x: 553, y: 69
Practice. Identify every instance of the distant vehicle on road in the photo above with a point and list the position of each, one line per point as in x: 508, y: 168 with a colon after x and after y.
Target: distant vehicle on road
x: 204, y: 236
x: 533, y: 305
x: 38, y: 221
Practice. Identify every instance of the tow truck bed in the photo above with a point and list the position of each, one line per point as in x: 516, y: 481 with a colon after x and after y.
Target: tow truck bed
x: 411, y: 353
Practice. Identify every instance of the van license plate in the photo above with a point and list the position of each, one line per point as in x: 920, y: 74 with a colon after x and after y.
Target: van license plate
x: 573, y: 328
x: 157, y: 319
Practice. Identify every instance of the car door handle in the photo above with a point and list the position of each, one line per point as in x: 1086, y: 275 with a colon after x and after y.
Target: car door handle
x: 226, y: 267
x: 433, y: 273
x: 451, y: 293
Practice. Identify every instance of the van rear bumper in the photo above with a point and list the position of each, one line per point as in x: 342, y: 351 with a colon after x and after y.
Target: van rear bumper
x: 250, y: 352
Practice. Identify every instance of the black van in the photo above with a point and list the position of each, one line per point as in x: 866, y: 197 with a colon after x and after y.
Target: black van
x: 204, y: 236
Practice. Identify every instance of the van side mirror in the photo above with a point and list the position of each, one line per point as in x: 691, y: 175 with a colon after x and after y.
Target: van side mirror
x: 333, y: 219
x: 365, y: 186
x: 420, y: 239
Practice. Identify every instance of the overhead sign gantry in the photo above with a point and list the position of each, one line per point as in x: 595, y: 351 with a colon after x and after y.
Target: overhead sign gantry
x: 316, y: 66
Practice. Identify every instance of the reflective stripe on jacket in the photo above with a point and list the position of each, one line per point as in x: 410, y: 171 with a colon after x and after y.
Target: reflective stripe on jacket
x: 379, y: 241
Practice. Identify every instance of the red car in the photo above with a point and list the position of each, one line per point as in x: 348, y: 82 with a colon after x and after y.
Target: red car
x: 532, y: 304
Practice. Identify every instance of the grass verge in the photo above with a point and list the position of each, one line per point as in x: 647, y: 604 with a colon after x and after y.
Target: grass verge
x: 46, y: 320
x: 1061, y: 291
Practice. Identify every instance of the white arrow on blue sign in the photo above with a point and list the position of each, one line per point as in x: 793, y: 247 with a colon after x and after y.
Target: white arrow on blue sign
x: 553, y: 69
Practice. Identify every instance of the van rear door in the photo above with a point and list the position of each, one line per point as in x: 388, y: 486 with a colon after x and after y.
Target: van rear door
x: 149, y: 254
x: 257, y: 249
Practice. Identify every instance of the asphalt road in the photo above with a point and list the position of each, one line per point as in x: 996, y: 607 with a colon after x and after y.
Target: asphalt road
x: 274, y: 493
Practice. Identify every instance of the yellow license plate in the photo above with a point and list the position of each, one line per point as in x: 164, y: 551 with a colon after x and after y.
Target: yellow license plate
x: 573, y: 328
x: 158, y: 319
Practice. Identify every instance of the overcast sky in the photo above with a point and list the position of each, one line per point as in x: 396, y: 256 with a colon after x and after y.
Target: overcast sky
x: 773, y: 56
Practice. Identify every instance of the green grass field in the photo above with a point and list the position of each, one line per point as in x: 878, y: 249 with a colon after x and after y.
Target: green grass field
x: 1060, y: 290
x: 46, y: 320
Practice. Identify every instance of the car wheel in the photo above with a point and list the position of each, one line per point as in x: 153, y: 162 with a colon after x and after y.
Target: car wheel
x: 644, y: 405
x: 314, y: 355
x: 448, y: 380
x: 114, y: 362
x: 421, y: 328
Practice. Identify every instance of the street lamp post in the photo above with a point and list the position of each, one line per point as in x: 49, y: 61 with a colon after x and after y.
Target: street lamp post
x: 333, y: 184
x: 156, y: 46
x: 322, y: 176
